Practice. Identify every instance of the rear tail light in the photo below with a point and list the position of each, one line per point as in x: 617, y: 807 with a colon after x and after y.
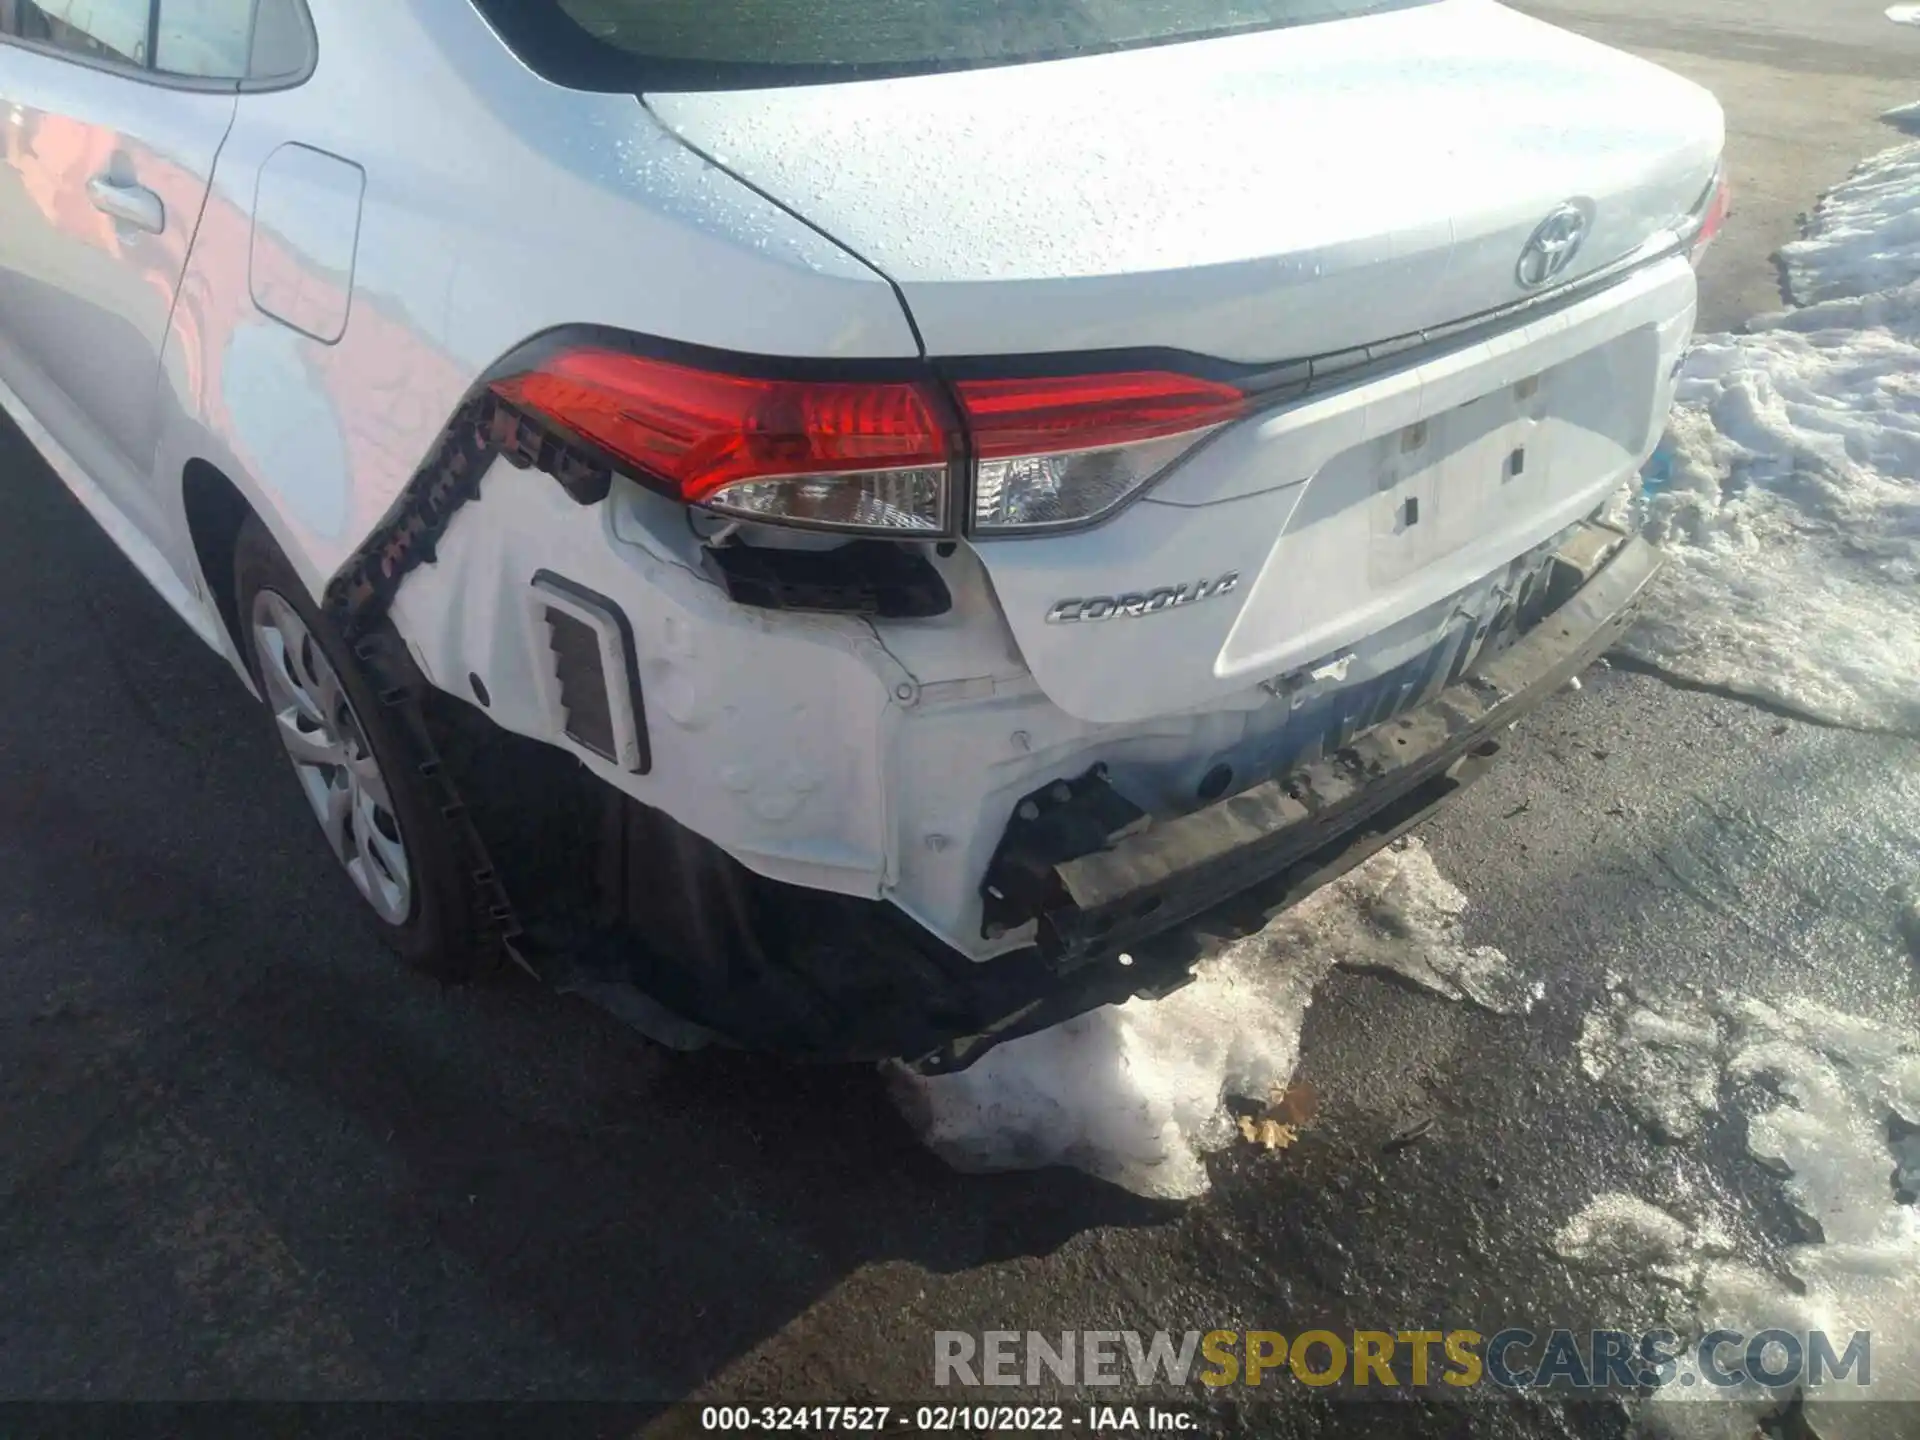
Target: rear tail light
x: 876, y: 455
x: 834, y: 454
x: 1711, y: 217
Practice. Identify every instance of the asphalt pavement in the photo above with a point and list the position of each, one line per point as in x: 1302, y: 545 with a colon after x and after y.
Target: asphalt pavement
x: 242, y: 1153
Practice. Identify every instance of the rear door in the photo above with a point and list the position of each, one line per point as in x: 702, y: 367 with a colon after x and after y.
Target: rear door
x: 112, y: 113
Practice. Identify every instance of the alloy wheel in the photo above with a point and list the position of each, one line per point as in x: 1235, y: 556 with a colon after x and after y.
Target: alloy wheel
x: 331, y: 759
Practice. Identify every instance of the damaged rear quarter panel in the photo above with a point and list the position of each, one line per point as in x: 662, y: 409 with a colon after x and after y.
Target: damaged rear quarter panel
x: 768, y: 732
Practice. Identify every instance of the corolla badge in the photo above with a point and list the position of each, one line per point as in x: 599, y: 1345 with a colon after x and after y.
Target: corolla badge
x: 1551, y: 248
x: 1136, y: 603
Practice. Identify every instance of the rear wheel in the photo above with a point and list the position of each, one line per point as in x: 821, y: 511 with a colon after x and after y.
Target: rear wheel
x: 395, y: 847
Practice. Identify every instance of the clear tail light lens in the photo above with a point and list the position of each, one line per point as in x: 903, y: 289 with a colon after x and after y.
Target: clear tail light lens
x: 1027, y: 492
x: 1064, y: 451
x: 911, y: 499
x: 833, y: 454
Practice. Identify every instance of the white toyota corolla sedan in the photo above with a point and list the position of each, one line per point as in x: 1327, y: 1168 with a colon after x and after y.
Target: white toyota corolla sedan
x: 855, y: 527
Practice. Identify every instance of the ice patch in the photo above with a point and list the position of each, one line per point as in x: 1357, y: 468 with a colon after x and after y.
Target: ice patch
x: 1617, y: 1233
x: 1793, y: 509
x: 1665, y: 1068
x: 1904, y: 1140
x: 1136, y: 1093
x: 1848, y: 1090
x: 1399, y: 915
x: 1908, y: 921
x: 1840, y: 1078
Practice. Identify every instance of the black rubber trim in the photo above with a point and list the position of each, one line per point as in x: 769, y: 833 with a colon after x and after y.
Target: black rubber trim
x: 408, y: 537
x: 403, y: 690
x: 149, y: 74
x: 537, y: 349
x: 878, y: 578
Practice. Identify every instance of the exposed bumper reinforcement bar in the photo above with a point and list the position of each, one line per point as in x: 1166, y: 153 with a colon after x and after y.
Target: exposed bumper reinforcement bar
x: 1168, y: 872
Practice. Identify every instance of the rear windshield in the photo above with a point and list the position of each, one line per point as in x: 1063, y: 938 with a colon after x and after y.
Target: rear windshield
x: 699, y: 44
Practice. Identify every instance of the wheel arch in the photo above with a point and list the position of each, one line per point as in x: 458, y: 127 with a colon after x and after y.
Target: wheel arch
x: 216, y: 509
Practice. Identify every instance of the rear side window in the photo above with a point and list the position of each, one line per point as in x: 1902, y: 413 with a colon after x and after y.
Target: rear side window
x: 260, y: 41
x: 246, y: 43
x: 210, y: 39
x: 697, y: 44
x: 114, y: 31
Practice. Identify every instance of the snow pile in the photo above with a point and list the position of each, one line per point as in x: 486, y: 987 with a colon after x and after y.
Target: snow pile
x: 1131, y: 1093
x: 1865, y: 236
x: 1136, y: 1093
x: 1793, y: 510
x: 1840, y: 1130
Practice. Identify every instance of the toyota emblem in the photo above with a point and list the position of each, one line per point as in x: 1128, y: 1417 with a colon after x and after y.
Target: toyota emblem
x: 1551, y: 248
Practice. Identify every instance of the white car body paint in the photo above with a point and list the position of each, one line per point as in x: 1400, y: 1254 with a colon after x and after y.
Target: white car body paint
x: 88, y: 295
x: 1262, y: 198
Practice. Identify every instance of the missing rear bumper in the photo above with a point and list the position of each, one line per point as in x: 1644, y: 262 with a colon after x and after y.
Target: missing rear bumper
x: 621, y: 902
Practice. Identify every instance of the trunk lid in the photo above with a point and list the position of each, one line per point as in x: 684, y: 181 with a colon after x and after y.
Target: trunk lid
x: 1255, y: 197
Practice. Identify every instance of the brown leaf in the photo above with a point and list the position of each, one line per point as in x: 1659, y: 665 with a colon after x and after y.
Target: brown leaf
x: 1267, y: 1132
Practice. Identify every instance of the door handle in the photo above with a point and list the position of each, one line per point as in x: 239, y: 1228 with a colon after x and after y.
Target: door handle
x: 134, y: 205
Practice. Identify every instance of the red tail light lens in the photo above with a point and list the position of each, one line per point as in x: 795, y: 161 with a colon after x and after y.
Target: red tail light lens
x: 1085, y: 412
x: 1065, y: 451
x: 828, y: 453
x: 1713, y: 217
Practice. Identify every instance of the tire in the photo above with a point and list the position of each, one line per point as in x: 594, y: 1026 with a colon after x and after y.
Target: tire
x: 396, y: 852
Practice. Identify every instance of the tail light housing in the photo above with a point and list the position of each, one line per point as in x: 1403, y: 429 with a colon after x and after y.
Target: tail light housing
x: 1710, y: 217
x: 1051, y: 453
x: 834, y: 454
x: 878, y: 456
